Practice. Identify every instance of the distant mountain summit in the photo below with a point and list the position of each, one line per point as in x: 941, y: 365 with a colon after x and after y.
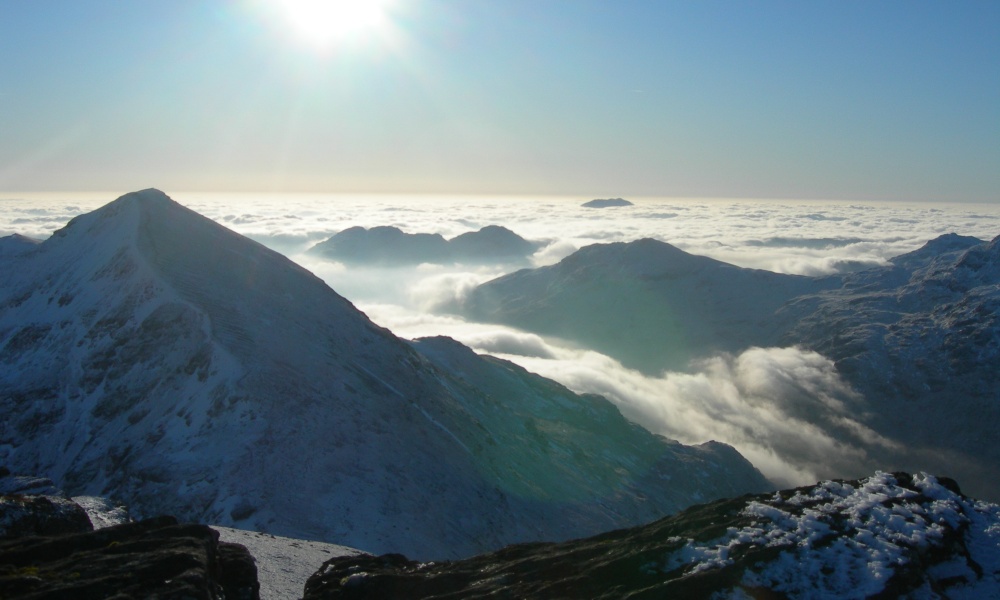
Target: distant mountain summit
x: 919, y: 338
x: 940, y: 247
x: 149, y: 354
x: 16, y: 244
x: 647, y: 303
x: 389, y: 246
x: 606, y: 203
x: 490, y: 243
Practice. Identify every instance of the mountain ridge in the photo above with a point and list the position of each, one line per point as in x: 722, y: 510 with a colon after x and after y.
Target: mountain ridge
x: 391, y: 246
x: 917, y: 339
x: 153, y: 355
x: 660, y: 307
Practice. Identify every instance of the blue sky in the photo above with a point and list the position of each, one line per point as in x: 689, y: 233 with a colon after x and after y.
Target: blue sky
x: 837, y: 100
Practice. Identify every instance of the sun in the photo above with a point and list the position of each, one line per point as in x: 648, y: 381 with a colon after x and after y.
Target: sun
x: 323, y: 23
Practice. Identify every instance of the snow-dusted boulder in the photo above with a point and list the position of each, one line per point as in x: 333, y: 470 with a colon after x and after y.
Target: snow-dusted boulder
x: 22, y: 515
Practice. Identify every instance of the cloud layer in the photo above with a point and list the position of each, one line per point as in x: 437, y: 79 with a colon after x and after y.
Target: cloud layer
x: 786, y: 409
x: 803, y: 237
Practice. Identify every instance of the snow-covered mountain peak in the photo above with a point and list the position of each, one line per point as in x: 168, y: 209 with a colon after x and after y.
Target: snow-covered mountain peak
x: 940, y: 246
x: 17, y: 244
x: 983, y: 260
x: 146, y: 197
x: 121, y: 211
x: 960, y: 264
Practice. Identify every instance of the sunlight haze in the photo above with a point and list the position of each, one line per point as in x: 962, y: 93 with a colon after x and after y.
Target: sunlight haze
x: 886, y: 100
x: 452, y: 286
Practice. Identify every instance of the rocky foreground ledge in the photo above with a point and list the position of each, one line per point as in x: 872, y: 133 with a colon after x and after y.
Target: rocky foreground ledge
x: 51, y: 551
x: 888, y: 536
x: 893, y: 535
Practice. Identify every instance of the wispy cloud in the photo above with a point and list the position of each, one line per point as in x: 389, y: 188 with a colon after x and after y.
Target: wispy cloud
x: 786, y: 409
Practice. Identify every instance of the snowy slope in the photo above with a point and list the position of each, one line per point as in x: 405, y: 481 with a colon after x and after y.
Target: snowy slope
x: 921, y: 340
x: 647, y: 303
x: 150, y: 355
x: 283, y: 564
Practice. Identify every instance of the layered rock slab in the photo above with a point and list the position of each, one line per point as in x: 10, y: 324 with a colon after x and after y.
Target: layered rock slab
x: 155, y: 558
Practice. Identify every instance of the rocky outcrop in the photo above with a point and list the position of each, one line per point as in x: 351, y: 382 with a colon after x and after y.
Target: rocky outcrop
x: 11, y: 483
x: 155, y: 558
x: 887, y: 536
x: 40, y: 515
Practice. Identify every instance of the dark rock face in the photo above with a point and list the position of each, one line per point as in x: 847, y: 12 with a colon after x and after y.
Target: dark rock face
x: 886, y: 536
x: 40, y: 515
x: 238, y: 575
x: 26, y: 484
x: 155, y: 558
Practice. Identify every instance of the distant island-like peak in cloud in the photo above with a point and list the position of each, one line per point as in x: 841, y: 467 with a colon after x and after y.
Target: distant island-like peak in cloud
x: 607, y: 203
x: 386, y: 245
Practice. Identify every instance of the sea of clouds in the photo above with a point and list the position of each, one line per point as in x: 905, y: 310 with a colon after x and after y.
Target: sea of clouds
x: 785, y: 409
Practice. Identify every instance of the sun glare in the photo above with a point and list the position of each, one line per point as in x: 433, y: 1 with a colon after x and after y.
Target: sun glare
x: 322, y: 23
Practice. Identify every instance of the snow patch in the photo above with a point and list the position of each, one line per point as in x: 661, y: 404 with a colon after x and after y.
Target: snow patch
x: 840, y: 541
